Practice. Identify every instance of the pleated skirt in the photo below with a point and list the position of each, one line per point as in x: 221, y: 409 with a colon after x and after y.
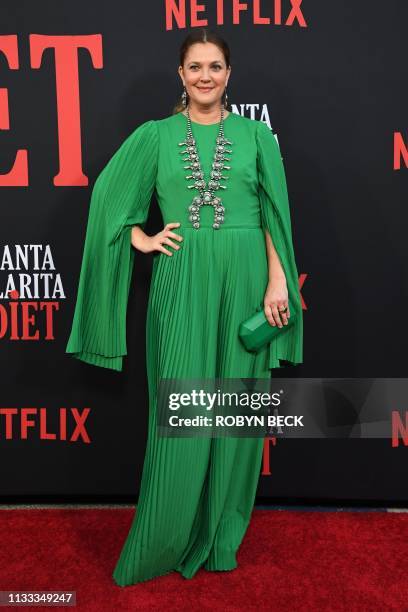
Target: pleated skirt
x: 197, y: 494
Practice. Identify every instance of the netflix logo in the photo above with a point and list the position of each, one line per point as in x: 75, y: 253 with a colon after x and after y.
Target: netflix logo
x: 400, y: 152
x: 399, y: 429
x: 31, y: 422
x: 181, y: 14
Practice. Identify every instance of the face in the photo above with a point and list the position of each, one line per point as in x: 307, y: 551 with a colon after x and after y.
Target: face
x: 204, y: 74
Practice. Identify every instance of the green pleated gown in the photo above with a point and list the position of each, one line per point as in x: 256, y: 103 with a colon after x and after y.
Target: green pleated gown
x: 196, y: 494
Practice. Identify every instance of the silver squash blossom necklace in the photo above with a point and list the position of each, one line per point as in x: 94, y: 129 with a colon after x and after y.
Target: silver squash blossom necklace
x: 206, y: 195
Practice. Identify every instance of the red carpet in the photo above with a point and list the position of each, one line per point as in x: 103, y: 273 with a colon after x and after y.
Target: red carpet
x: 289, y: 560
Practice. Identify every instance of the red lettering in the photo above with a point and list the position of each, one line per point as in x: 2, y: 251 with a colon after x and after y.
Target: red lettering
x: 400, y: 150
x: 266, y: 465
x: 399, y: 429
x: 67, y: 92
x: 18, y: 175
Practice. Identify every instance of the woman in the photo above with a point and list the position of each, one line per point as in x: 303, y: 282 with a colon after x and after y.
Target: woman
x: 213, y: 265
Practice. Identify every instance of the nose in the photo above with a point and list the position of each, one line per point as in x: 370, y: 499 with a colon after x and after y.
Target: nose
x: 205, y: 78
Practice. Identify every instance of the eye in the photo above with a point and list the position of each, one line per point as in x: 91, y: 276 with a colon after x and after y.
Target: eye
x: 216, y: 66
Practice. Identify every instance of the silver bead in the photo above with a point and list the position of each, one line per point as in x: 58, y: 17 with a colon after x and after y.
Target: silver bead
x: 206, y: 189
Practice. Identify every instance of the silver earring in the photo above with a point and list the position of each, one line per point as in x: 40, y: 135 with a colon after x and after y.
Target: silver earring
x: 226, y: 98
x: 184, y: 97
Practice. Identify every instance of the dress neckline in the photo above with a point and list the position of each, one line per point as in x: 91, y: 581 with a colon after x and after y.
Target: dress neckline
x: 205, y: 124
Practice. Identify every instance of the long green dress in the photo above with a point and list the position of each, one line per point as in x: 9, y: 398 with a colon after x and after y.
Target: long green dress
x: 196, y: 494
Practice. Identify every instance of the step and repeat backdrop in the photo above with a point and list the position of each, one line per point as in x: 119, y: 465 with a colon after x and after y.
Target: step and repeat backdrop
x: 328, y: 78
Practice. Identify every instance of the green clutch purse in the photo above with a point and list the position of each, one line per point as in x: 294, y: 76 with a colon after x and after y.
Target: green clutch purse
x: 256, y: 331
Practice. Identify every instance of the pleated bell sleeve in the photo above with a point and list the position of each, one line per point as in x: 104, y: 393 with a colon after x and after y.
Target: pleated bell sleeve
x: 275, y: 217
x: 120, y: 199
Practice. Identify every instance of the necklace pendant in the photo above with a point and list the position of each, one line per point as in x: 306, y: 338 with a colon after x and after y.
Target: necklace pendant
x: 207, y: 198
x: 206, y: 190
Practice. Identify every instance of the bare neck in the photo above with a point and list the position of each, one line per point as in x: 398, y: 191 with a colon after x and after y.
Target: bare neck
x: 205, y: 118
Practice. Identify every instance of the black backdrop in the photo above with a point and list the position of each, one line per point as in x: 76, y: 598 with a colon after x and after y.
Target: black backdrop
x: 333, y: 89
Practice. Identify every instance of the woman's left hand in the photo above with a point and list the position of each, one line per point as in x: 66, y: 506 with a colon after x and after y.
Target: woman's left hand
x: 275, y: 300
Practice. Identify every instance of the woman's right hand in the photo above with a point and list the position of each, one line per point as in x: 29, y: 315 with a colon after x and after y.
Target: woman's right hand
x: 155, y: 243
